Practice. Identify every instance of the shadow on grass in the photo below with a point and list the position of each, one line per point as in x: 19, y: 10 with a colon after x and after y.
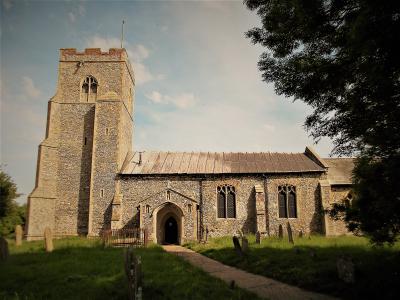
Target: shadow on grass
x: 377, y: 271
x: 67, y: 273
x: 83, y: 270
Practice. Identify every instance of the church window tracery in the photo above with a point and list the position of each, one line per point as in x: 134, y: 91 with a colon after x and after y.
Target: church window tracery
x: 226, y: 201
x: 287, y: 201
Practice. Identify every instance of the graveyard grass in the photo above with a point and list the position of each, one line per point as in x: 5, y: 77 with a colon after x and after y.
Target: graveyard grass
x: 79, y: 268
x: 311, y: 263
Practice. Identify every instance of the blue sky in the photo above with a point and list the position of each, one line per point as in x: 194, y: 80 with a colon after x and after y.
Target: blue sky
x: 198, y: 86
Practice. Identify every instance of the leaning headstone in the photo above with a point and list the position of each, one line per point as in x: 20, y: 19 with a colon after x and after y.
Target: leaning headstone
x: 280, y: 231
x: 236, y: 244
x: 3, y: 249
x: 345, y: 269
x: 258, y: 237
x: 48, y: 240
x: 300, y: 234
x: 290, y: 234
x: 18, y: 235
x: 245, y: 244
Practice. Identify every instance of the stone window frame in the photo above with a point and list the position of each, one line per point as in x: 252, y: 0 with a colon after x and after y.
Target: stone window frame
x: 90, y: 81
x: 286, y: 190
x: 226, y: 189
x: 348, y: 199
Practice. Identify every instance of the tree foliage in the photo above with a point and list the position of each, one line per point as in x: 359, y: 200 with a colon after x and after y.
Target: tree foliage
x: 342, y: 58
x: 11, y: 214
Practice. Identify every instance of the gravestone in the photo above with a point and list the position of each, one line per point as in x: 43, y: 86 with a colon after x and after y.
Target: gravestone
x: 245, y: 244
x: 133, y: 270
x: 48, y: 240
x: 3, y: 249
x: 345, y: 269
x: 18, y: 235
x: 300, y: 234
x: 280, y: 231
x: 290, y: 234
x: 313, y: 253
x: 258, y: 237
x: 236, y: 244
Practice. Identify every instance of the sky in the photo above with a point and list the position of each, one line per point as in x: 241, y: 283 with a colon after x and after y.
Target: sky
x: 198, y: 87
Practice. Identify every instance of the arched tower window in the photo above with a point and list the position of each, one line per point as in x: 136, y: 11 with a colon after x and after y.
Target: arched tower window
x: 89, y: 89
x: 347, y: 201
x: 226, y: 201
x: 287, y: 201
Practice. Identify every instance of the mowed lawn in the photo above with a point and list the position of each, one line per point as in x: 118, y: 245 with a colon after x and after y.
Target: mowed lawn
x: 82, y: 269
x: 311, y: 263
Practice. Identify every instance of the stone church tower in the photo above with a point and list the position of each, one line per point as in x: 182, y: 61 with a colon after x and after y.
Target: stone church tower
x: 88, y: 135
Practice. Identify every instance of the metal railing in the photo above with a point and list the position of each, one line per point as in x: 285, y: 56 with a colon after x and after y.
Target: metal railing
x: 136, y: 237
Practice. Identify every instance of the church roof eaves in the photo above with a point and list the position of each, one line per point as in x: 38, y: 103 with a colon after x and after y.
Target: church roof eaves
x: 191, y: 163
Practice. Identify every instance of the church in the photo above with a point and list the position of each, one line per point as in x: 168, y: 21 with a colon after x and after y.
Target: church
x: 89, y: 177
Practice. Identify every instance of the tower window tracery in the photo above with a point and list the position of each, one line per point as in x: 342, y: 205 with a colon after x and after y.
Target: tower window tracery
x: 89, y: 89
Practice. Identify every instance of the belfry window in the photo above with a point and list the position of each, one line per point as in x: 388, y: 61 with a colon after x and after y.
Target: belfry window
x: 89, y: 89
x: 226, y: 201
x: 287, y: 201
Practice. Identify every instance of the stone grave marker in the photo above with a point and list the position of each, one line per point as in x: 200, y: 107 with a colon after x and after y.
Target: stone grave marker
x: 48, y: 240
x: 3, y: 249
x: 237, y: 246
x: 290, y: 234
x: 313, y: 253
x: 345, y: 269
x: 280, y: 231
x: 245, y: 244
x: 133, y: 270
x: 18, y: 235
x: 258, y: 237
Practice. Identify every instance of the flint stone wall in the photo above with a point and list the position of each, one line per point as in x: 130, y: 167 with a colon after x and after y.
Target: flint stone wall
x: 309, y: 208
x: 338, y: 194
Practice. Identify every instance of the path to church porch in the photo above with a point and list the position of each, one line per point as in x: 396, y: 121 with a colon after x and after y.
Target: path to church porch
x: 264, y: 287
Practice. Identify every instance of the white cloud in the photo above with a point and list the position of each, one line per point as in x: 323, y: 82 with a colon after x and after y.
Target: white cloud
x: 182, y: 101
x: 137, y: 54
x: 106, y: 43
x: 269, y: 127
x: 81, y: 10
x: 71, y: 17
x: 29, y: 87
x: 155, y: 97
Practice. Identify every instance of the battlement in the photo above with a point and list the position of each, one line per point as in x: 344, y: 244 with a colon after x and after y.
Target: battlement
x: 71, y: 54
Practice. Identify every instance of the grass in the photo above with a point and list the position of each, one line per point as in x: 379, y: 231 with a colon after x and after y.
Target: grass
x: 81, y: 269
x: 311, y: 263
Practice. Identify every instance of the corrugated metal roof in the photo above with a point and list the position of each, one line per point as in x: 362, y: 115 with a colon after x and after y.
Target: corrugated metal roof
x: 340, y: 170
x: 154, y: 162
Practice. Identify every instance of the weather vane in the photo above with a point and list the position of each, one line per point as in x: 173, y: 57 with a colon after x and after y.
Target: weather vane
x: 122, y: 33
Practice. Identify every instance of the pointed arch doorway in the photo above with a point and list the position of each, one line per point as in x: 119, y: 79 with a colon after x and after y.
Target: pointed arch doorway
x: 168, y: 225
x: 171, y: 231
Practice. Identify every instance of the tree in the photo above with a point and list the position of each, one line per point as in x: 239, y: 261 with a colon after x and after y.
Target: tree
x: 11, y: 214
x: 342, y: 58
